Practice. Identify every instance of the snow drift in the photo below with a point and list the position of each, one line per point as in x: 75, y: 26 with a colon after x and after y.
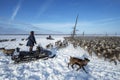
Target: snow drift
x: 55, y: 68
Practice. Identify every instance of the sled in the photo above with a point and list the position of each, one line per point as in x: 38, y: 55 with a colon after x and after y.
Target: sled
x: 49, y: 37
x: 25, y: 56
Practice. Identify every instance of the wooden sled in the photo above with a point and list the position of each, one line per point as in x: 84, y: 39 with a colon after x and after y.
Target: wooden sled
x: 25, y: 56
x: 49, y: 37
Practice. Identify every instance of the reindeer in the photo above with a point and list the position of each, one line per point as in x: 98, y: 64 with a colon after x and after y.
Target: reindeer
x: 20, y: 44
x: 81, y: 63
x: 48, y: 46
x: 8, y: 51
x: 13, y: 40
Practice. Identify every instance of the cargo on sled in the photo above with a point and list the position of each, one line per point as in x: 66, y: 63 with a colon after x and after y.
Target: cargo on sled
x: 25, y: 56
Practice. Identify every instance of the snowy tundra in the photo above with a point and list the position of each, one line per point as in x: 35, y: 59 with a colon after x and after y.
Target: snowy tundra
x: 55, y: 68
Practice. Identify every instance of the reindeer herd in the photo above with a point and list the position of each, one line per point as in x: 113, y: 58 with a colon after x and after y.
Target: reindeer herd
x: 58, y: 44
x: 103, y: 47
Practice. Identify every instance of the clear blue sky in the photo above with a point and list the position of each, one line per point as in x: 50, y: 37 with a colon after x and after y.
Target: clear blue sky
x: 58, y: 16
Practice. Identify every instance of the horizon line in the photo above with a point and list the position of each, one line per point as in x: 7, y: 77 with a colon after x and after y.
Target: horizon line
x: 59, y: 34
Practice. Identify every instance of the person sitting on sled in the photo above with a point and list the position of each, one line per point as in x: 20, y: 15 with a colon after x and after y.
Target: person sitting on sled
x: 31, y: 41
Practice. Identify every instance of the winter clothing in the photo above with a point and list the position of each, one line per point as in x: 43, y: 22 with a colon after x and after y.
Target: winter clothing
x: 31, y: 40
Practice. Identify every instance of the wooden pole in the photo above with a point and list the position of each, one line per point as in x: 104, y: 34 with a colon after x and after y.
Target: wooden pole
x: 74, y: 29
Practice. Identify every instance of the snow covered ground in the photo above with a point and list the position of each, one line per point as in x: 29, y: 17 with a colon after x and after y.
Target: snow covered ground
x: 54, y: 68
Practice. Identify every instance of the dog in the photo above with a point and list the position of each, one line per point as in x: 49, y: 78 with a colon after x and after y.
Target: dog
x: 76, y: 61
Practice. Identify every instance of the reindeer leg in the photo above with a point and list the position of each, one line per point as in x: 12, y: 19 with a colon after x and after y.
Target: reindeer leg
x: 68, y: 65
x: 84, y: 69
x: 78, y: 68
x: 72, y: 66
x: 115, y: 62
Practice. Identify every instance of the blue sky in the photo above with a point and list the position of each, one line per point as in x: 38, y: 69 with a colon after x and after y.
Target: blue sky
x: 58, y: 16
